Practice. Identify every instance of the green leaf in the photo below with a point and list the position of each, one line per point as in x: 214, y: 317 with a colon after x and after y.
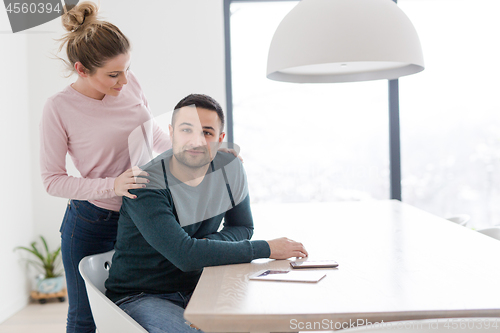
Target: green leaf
x: 47, y: 263
x: 45, y: 245
x: 36, y: 264
x: 36, y: 252
x: 54, y: 255
x: 30, y: 250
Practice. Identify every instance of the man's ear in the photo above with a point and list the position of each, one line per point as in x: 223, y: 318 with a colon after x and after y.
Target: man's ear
x: 80, y: 69
x: 171, y: 132
x: 221, y: 137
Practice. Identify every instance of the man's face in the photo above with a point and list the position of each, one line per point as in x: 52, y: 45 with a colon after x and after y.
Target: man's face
x: 196, y: 135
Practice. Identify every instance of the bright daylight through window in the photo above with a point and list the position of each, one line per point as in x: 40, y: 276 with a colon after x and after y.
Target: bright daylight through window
x: 329, y: 142
x: 303, y: 142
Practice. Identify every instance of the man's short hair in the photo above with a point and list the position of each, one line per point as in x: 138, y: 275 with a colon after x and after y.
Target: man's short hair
x: 200, y: 101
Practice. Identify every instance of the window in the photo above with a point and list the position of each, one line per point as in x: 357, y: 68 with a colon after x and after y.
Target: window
x: 450, y: 115
x: 303, y: 142
x: 327, y: 142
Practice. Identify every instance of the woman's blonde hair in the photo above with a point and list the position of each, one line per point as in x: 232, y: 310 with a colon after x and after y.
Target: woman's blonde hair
x: 89, y: 40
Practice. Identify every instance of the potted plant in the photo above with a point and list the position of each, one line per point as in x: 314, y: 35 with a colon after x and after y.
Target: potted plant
x: 51, y: 280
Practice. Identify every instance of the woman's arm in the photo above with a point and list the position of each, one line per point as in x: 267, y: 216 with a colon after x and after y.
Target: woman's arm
x: 53, y: 150
x: 57, y: 182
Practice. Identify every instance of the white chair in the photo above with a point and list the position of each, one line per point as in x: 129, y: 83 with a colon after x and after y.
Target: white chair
x: 460, y: 219
x: 108, y: 317
x: 492, y: 232
x: 446, y: 325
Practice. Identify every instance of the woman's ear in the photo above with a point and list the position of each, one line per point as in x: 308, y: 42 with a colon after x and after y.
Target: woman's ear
x: 80, y: 69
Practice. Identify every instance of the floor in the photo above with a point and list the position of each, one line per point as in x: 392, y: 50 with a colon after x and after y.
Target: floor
x: 42, y: 318
x: 39, y: 318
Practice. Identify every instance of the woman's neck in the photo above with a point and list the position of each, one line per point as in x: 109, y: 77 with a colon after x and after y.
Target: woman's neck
x: 86, y: 89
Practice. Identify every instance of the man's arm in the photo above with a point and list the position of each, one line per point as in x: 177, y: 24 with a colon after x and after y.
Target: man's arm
x: 153, y: 216
x: 238, y: 223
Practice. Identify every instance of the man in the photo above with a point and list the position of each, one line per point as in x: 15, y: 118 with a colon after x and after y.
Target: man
x: 170, y: 231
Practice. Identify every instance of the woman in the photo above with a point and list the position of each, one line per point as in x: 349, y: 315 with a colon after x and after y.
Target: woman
x: 91, y: 120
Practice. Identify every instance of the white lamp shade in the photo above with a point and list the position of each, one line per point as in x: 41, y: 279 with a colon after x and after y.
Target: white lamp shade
x: 344, y: 41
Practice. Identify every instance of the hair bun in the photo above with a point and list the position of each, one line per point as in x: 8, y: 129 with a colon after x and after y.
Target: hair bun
x: 79, y: 15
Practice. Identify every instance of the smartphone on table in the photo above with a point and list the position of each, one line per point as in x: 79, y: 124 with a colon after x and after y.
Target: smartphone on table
x: 314, y: 264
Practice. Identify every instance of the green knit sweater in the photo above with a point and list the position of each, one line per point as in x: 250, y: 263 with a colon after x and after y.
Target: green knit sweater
x: 155, y: 253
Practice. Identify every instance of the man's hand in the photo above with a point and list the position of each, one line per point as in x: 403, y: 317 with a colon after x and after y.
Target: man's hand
x: 284, y: 248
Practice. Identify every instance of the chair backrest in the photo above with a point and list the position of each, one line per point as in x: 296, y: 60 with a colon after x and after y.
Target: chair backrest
x: 460, y: 219
x: 108, y: 317
x: 492, y: 232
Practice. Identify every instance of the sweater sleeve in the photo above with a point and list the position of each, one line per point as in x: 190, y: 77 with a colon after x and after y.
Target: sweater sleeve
x: 53, y: 150
x: 152, y: 213
x: 238, y: 223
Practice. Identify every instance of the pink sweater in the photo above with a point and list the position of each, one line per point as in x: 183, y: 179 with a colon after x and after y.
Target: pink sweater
x: 96, y: 135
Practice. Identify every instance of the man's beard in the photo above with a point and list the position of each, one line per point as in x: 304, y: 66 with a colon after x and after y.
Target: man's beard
x: 193, y: 162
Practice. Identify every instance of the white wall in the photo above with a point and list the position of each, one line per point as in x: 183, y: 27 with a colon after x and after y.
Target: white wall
x: 16, y: 162
x: 178, y: 48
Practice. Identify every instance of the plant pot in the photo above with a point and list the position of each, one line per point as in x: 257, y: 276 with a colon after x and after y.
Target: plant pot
x: 50, y: 285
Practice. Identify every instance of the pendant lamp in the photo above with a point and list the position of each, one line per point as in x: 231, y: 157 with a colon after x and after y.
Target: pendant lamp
x: 322, y: 41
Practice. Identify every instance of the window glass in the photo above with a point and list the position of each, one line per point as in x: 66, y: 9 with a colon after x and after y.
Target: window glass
x: 303, y: 142
x: 450, y: 112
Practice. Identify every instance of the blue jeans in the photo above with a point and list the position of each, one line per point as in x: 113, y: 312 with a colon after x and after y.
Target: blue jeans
x: 86, y: 230
x: 159, y: 313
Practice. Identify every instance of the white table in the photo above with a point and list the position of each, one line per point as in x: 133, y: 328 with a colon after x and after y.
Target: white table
x: 396, y: 262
